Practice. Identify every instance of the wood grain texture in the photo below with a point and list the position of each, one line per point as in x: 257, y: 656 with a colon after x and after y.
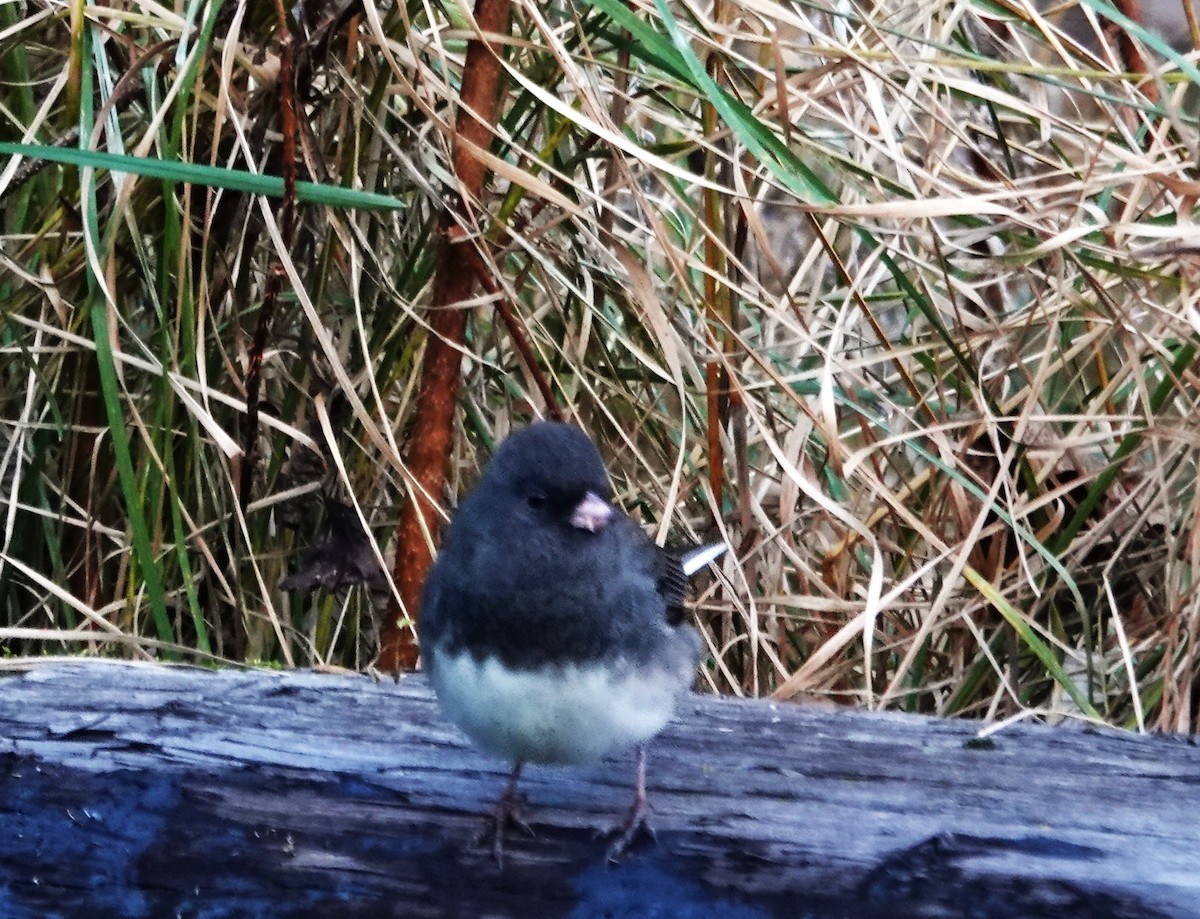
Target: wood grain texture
x: 141, y: 790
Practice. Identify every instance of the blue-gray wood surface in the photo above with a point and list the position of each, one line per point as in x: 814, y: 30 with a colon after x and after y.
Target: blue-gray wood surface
x: 137, y: 790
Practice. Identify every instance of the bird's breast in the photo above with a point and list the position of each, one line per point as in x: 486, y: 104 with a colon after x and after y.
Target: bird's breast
x: 556, y: 713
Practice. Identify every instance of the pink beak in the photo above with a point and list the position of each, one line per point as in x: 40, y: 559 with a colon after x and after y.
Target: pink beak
x: 592, y: 513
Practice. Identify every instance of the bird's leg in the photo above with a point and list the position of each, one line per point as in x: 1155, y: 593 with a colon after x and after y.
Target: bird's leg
x: 508, y: 811
x: 637, y: 822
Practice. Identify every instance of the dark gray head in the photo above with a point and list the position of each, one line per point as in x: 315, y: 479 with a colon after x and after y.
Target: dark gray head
x: 550, y: 474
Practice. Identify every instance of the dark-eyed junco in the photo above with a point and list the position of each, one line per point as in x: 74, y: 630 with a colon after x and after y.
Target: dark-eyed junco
x: 552, y: 628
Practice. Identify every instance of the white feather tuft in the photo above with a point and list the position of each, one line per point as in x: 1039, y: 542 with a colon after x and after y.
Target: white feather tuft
x: 697, y: 558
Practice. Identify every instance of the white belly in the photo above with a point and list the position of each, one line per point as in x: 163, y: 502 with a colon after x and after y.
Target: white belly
x: 557, y: 714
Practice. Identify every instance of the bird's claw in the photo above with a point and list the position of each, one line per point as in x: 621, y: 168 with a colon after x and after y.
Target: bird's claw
x: 637, y: 824
x: 507, y: 814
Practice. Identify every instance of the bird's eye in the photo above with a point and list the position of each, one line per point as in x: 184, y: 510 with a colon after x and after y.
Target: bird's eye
x: 536, y: 499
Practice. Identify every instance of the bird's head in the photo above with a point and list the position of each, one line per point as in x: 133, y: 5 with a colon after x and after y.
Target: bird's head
x: 550, y: 473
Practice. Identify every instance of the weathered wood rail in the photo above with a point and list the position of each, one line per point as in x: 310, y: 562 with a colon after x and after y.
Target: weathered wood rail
x: 136, y: 790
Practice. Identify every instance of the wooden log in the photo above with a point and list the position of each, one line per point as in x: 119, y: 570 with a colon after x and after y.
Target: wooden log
x: 142, y: 790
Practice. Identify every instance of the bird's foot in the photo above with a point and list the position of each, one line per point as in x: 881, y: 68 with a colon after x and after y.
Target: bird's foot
x: 508, y: 813
x: 636, y: 825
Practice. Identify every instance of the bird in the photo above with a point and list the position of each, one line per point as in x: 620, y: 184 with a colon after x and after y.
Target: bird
x: 552, y: 628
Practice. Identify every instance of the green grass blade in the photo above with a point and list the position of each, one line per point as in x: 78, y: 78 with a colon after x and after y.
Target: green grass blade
x: 1032, y: 641
x: 214, y: 176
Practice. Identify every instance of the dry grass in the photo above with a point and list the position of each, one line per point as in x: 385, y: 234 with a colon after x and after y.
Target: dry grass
x: 929, y: 275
